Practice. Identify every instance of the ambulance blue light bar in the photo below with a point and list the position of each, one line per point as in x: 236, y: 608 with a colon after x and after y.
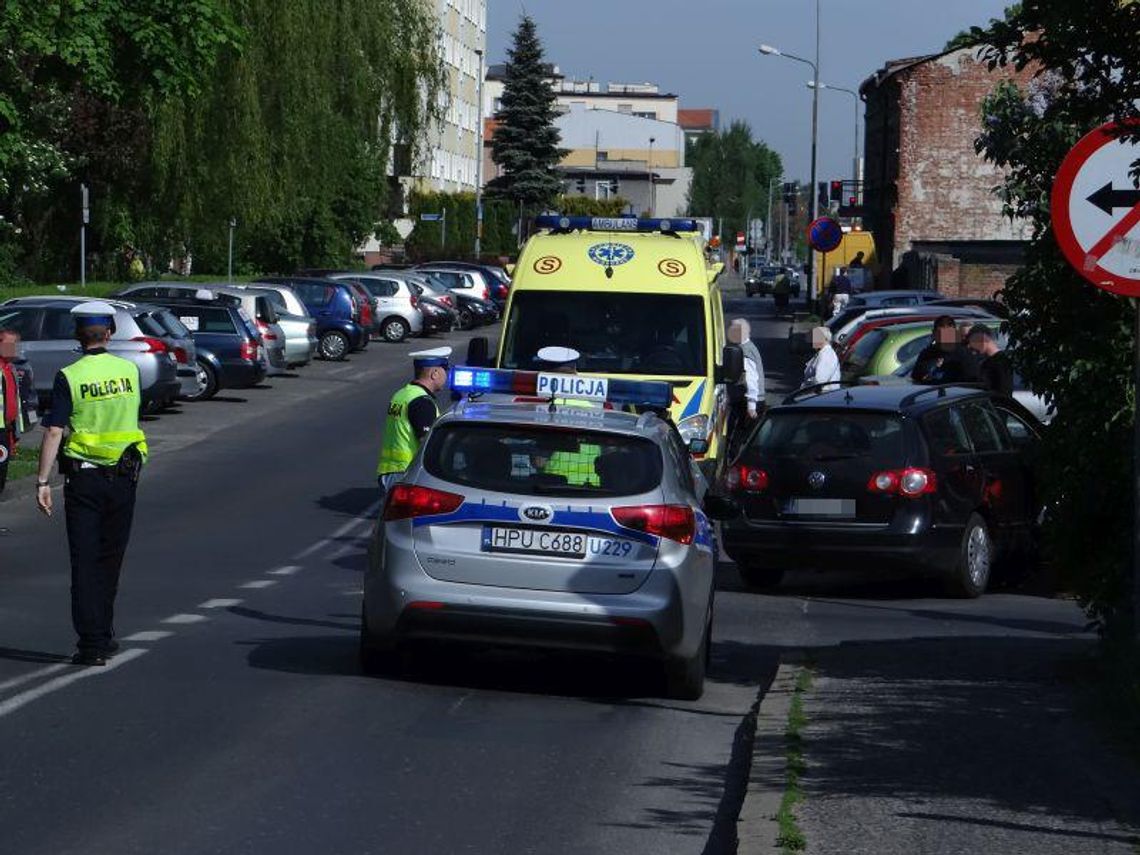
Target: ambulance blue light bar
x: 501, y: 381
x: 614, y: 224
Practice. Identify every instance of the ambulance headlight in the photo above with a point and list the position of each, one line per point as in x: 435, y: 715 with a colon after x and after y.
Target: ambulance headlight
x: 694, y: 428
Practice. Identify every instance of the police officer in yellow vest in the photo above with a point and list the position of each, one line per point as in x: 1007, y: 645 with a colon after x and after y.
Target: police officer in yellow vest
x: 577, y: 467
x: 411, y: 413
x: 97, y: 400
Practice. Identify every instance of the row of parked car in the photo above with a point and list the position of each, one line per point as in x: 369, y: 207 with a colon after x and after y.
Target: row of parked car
x: 191, y: 340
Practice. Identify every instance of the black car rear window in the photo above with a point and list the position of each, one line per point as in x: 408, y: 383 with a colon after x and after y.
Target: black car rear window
x: 822, y: 436
x: 541, y: 461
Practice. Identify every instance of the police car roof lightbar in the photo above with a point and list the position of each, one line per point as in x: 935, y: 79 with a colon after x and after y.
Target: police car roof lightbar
x: 559, y: 223
x: 502, y: 381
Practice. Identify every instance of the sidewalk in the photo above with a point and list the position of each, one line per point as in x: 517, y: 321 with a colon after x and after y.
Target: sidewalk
x: 961, y: 745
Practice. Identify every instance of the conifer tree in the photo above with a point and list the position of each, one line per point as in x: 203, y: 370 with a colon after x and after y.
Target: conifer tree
x: 526, y: 141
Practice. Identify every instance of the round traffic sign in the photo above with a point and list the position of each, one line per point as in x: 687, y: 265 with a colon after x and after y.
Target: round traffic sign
x: 1096, y: 211
x: 824, y: 234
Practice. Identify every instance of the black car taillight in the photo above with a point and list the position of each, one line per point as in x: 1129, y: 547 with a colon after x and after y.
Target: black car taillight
x: 910, y: 483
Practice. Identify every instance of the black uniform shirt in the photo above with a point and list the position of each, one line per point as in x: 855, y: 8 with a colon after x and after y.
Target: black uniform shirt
x: 422, y: 413
x: 958, y: 365
x: 997, y: 373
x: 60, y: 413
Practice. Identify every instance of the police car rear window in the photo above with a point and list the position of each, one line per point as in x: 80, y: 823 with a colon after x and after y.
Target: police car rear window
x: 536, y: 461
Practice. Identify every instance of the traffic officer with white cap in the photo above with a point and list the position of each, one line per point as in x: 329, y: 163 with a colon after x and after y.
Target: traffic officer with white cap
x: 576, y: 466
x: 562, y: 360
x: 96, y: 399
x: 411, y: 413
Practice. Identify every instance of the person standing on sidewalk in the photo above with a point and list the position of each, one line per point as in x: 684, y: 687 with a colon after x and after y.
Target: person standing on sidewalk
x: 97, y: 400
x: 10, y: 409
x: 823, y: 369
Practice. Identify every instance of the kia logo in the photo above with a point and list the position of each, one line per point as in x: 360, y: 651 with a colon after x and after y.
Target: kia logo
x: 536, y: 513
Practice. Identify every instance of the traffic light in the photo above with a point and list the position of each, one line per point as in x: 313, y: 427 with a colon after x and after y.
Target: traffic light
x: 836, y: 191
x: 789, y: 192
x: 823, y: 194
x: 792, y: 207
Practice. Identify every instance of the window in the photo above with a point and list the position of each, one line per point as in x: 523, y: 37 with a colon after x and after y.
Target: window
x: 828, y: 436
x: 150, y: 325
x: 58, y: 324
x: 646, y: 115
x: 538, y: 461
x: 681, y: 462
x: 946, y: 433
x: 616, y: 333
x: 602, y: 155
x: 981, y: 425
x: 1021, y: 433
x: 865, y: 350
x: 313, y: 293
x: 912, y: 349
x: 22, y: 321
x: 625, y: 108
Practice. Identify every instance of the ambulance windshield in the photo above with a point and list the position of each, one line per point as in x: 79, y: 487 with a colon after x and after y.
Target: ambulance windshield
x: 648, y: 334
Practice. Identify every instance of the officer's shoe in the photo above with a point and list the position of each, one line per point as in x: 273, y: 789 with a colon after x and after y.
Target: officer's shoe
x: 89, y: 657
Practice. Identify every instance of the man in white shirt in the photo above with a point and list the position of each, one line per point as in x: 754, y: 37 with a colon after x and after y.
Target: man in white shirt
x: 746, y: 397
x: 823, y: 369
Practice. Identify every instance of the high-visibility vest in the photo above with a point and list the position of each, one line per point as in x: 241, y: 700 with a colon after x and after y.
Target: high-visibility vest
x: 577, y: 467
x: 105, y: 404
x: 400, y: 441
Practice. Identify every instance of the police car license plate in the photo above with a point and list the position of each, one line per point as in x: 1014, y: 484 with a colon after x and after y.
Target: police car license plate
x: 531, y: 541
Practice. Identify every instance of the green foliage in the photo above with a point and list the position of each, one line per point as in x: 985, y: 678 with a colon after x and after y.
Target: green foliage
x: 969, y: 38
x: 1073, y: 342
x: 526, y: 140
x: 427, y: 242
x: 731, y: 176
x: 584, y: 206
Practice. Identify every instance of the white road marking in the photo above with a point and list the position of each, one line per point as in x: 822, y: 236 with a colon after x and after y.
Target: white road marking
x: 149, y: 635
x: 185, y: 619
x: 259, y: 583
x: 32, y: 675
x: 336, y: 372
x: 220, y: 603
x: 287, y: 570
x: 352, y: 544
x: 345, y: 529
x: 16, y: 701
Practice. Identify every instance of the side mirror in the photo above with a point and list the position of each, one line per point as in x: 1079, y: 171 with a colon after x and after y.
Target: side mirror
x: 720, y: 508
x: 732, y: 364
x: 478, y: 352
x: 698, y: 446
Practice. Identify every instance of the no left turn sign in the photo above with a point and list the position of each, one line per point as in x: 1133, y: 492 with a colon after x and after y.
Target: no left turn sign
x: 1096, y: 211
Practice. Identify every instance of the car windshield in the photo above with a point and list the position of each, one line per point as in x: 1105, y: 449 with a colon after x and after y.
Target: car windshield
x: 543, y: 461
x: 821, y: 436
x: 656, y: 334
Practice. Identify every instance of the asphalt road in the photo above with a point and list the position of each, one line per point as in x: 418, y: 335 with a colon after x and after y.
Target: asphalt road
x: 235, y: 720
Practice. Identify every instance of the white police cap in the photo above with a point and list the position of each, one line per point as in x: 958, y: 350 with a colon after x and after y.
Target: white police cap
x: 94, y: 313
x: 558, y: 355
x: 437, y: 357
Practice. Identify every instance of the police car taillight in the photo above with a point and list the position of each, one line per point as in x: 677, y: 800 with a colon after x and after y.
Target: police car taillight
x: 675, y: 522
x: 405, y: 501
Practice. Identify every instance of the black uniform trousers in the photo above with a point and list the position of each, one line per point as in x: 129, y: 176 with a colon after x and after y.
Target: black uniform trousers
x: 99, y: 506
x: 5, y: 454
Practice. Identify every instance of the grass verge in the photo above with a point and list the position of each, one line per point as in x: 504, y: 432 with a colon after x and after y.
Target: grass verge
x: 790, y: 837
x: 24, y: 462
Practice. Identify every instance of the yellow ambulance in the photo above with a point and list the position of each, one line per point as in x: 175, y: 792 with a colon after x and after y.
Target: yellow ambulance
x: 637, y: 299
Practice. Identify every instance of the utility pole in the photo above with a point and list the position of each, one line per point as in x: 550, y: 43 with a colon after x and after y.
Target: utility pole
x: 230, y: 258
x: 479, y: 166
x: 652, y: 187
x: 84, y: 220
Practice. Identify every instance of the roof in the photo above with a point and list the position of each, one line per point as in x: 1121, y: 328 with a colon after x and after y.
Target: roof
x: 575, y: 418
x: 908, y: 398
x: 698, y: 119
x: 896, y: 66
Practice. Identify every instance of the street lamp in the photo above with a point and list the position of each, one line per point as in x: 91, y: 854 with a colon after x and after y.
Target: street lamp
x: 652, y: 200
x: 479, y: 165
x: 768, y: 50
x: 811, y: 84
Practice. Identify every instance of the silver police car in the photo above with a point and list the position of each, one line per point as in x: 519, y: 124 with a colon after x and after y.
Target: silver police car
x: 580, y: 529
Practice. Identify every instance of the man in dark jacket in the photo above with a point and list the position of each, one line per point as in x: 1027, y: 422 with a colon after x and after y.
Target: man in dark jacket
x: 945, y: 360
x: 995, y: 368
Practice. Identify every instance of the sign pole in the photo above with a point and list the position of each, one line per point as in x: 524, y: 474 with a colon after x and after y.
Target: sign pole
x: 1136, y: 485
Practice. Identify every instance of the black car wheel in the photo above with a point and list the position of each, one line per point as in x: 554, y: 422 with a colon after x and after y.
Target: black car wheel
x: 395, y: 330
x: 759, y: 578
x: 207, y: 383
x: 466, y: 319
x: 971, y: 573
x: 333, y: 346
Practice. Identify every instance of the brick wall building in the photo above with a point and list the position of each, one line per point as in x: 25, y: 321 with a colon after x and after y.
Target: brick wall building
x: 928, y: 195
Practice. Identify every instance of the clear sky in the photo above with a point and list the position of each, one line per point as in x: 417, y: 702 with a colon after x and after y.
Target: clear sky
x: 705, y: 51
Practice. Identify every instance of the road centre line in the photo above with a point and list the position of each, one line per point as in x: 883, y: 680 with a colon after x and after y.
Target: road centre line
x: 149, y: 635
x: 287, y: 570
x: 185, y: 618
x: 355, y: 522
x: 16, y: 701
x: 220, y: 603
x: 34, y: 675
x: 259, y: 583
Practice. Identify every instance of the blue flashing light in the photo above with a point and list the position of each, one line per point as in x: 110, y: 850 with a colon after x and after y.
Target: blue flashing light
x: 640, y: 393
x: 556, y: 222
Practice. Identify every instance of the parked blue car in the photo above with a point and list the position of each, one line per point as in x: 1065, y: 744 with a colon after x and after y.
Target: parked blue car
x: 342, y: 319
x: 226, y: 342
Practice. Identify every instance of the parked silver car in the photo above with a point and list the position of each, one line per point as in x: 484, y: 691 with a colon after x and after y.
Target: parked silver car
x: 470, y: 282
x: 300, y: 330
x: 47, y: 329
x: 581, y: 529
x: 393, y: 302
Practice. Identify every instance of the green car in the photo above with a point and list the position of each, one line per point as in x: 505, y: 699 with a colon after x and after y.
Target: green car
x: 883, y: 350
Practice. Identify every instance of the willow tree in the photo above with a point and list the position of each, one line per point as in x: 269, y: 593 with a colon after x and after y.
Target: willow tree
x: 292, y: 137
